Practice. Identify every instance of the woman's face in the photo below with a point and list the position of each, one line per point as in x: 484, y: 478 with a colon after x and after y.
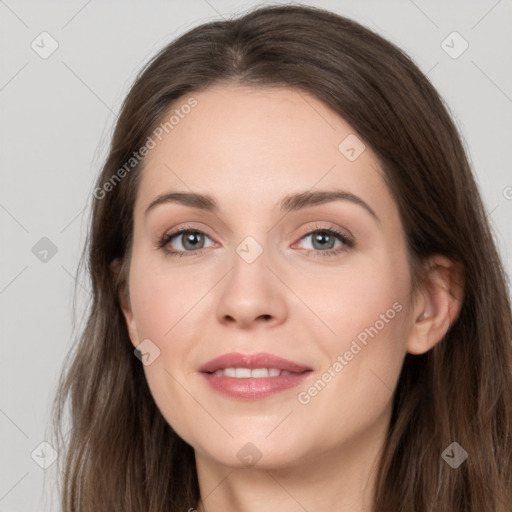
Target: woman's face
x: 258, y: 273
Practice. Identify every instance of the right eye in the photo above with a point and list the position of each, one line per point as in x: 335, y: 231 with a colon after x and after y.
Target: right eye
x: 192, y: 240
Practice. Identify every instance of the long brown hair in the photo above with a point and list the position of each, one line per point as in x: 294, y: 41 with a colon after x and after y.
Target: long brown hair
x: 122, y: 455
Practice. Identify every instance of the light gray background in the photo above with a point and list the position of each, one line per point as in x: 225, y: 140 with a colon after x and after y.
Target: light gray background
x: 56, y: 118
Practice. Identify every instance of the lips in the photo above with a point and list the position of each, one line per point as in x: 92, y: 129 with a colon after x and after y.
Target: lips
x: 252, y: 361
x: 252, y: 376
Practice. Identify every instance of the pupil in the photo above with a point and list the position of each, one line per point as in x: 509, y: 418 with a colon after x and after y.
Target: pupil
x: 321, y: 238
x: 190, y: 239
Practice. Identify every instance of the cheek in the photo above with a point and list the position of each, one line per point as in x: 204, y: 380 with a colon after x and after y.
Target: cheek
x: 160, y: 299
x: 160, y: 303
x: 354, y: 389
x: 363, y: 313
x: 369, y: 344
x: 364, y: 298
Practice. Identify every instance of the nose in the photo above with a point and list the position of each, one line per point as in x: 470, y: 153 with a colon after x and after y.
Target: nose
x: 252, y: 295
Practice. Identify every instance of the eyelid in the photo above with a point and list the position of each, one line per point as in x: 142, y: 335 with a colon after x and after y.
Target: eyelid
x: 319, y: 226
x: 302, y: 232
x: 347, y: 240
x: 180, y: 230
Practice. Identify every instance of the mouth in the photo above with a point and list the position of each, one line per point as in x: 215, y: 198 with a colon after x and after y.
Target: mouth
x: 248, y: 373
x: 252, y: 376
x: 259, y: 363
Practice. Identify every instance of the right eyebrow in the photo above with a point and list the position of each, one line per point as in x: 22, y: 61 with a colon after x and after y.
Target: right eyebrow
x: 194, y: 200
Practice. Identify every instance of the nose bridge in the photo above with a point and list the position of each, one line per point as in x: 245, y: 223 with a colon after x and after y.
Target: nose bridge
x: 249, y: 264
x: 250, y: 292
x: 251, y: 250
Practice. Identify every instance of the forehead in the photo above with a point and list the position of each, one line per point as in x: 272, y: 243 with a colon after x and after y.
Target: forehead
x: 251, y: 146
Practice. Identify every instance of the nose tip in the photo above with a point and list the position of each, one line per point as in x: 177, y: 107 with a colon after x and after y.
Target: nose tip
x: 250, y: 295
x: 247, y: 321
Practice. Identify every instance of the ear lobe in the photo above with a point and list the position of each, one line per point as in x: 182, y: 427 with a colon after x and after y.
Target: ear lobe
x: 439, y: 306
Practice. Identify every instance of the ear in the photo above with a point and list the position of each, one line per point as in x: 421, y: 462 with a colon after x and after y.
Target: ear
x: 438, y: 304
x: 116, y: 268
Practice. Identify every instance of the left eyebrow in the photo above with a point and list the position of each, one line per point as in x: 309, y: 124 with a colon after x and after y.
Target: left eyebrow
x: 292, y: 202
x: 307, y: 199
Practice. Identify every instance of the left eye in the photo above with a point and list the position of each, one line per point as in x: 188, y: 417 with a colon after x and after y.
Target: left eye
x: 324, y: 239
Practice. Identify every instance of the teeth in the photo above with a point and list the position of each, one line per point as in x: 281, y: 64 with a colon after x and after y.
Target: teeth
x: 246, y: 373
x: 230, y: 372
x: 242, y: 373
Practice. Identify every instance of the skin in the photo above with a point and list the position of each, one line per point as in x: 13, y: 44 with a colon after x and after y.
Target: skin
x: 248, y: 148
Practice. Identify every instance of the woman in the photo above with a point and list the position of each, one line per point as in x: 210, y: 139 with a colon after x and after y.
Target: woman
x: 297, y: 299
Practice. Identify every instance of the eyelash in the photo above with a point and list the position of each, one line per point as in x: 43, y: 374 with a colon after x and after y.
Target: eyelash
x: 348, y: 242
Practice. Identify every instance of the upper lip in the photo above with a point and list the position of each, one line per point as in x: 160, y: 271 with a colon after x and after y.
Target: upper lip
x: 251, y: 361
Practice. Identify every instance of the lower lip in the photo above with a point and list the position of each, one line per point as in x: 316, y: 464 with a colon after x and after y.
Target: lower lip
x: 253, y: 388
